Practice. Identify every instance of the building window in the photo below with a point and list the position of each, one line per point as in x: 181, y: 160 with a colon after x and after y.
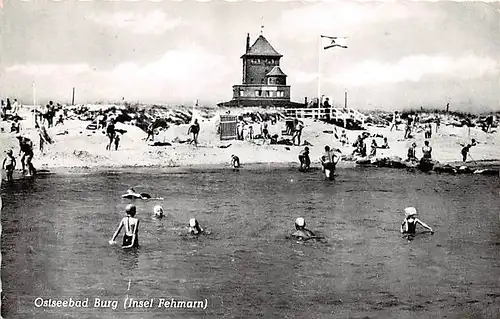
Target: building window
x: 242, y: 93
x: 269, y: 81
x: 257, y: 93
x: 280, y: 94
x: 251, y: 80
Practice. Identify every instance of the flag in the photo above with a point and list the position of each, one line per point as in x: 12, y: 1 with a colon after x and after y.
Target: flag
x: 333, y: 42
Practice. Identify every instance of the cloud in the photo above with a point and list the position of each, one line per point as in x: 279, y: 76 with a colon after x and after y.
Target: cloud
x: 339, y: 19
x: 416, y: 68
x: 179, y: 75
x: 154, y: 22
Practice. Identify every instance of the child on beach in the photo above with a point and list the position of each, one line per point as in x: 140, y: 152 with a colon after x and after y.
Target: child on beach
x: 409, y: 224
x: 235, y: 162
x: 428, y: 131
x: 466, y: 149
x: 305, y: 161
x: 131, y: 224
x: 9, y: 164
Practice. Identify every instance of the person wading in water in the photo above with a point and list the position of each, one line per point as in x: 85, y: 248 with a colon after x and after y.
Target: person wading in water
x: 131, y: 224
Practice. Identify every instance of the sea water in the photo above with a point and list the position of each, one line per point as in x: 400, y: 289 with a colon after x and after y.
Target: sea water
x: 56, y: 230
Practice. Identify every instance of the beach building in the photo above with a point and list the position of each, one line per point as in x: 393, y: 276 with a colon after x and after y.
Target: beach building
x: 264, y: 84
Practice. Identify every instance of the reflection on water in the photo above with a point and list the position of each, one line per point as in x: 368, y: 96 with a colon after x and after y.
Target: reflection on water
x: 56, y: 231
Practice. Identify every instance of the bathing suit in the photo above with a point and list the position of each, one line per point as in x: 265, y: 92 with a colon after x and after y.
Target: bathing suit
x: 411, y: 225
x: 129, y: 234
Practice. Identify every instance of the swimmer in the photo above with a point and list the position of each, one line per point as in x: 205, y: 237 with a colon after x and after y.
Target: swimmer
x: 305, y: 161
x: 9, y: 164
x: 301, y: 232
x: 235, y: 162
x: 194, y: 227
x: 410, y: 222
x: 158, y: 211
x: 329, y: 163
x: 131, y: 224
x: 131, y: 194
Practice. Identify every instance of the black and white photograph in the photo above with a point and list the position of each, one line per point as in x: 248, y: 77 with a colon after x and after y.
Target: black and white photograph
x: 250, y: 159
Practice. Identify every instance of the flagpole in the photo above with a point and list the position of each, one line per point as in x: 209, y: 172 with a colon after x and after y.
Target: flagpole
x: 319, y: 72
x: 34, y: 104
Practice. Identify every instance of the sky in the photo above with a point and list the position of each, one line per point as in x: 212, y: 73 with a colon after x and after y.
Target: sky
x: 400, y: 54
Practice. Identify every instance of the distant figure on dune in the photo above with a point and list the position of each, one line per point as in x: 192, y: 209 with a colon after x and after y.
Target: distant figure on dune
x: 235, y: 162
x: 9, y: 164
x: 305, y: 160
x: 409, y: 224
x: 466, y: 149
x: 194, y: 227
x: 195, y: 130
x: 131, y: 224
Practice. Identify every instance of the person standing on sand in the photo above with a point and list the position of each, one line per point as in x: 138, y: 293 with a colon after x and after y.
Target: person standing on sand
x: 26, y: 149
x: 408, y: 127
x: 195, y: 130
x: 489, y: 123
x: 151, y: 132
x: 438, y: 123
x: 428, y: 131
x: 297, y: 131
x: 9, y: 164
x: 131, y: 224
x: 466, y: 149
x: 117, y: 141
x: 110, y: 132
x: 394, y: 121
x: 343, y: 138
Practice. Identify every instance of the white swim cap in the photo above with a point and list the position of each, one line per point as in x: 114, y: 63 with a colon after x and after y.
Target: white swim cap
x: 158, y: 210
x: 192, y: 222
x: 300, y: 222
x: 410, y: 211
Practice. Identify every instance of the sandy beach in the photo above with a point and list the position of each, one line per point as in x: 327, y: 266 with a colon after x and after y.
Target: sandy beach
x: 77, y: 147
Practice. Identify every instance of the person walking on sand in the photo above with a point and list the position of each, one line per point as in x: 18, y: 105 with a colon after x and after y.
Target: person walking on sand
x: 151, y: 132
x: 195, y: 130
x: 131, y: 224
x: 9, y: 164
x: 297, y: 131
x: 26, y: 149
x: 466, y: 149
x: 394, y: 121
x: 110, y: 132
x: 438, y: 123
x: 409, y: 224
x: 305, y: 161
